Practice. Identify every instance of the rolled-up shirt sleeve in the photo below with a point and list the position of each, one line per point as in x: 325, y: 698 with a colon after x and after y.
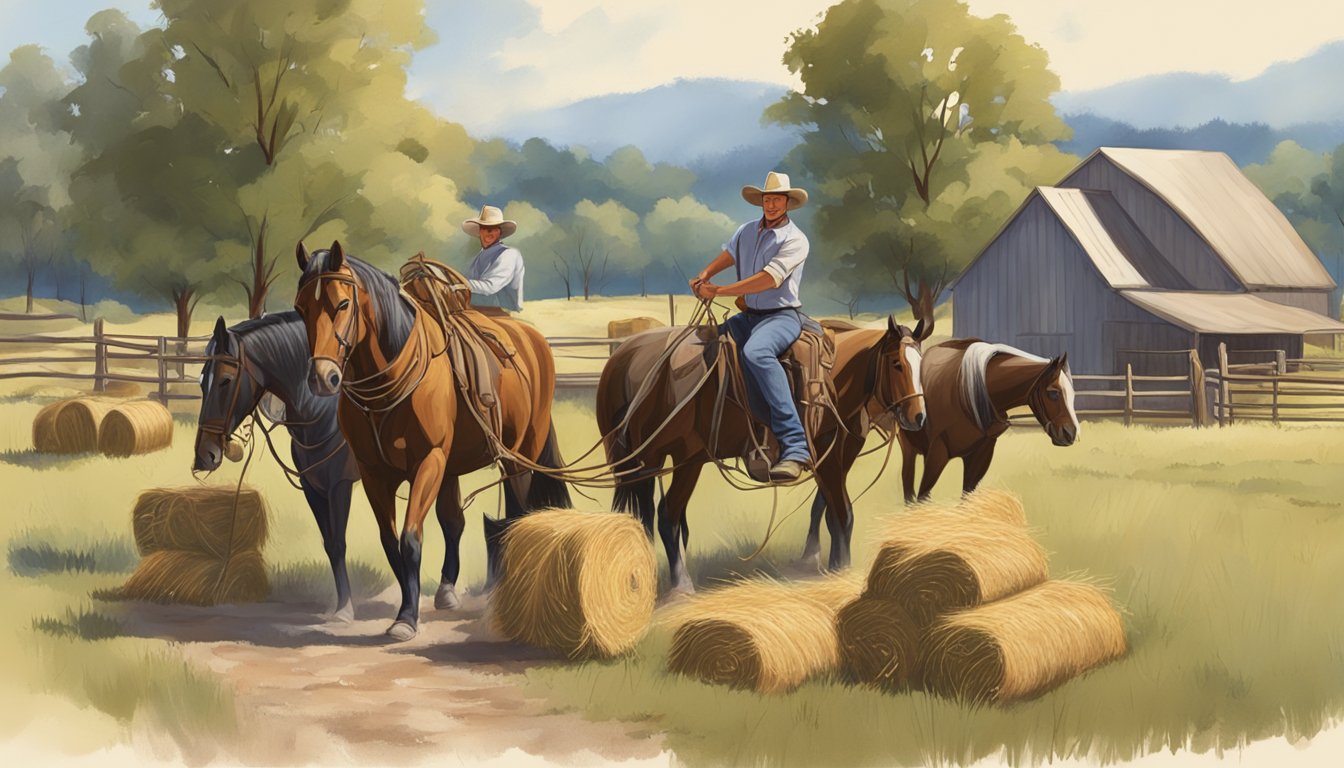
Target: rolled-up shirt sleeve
x: 792, y: 254
x: 499, y: 274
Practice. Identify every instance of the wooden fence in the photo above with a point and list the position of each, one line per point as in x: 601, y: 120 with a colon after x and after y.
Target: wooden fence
x: 1281, y: 390
x: 167, y: 363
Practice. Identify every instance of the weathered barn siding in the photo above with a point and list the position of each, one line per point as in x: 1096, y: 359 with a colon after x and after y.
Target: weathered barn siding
x: 1035, y: 257
x: 1316, y: 301
x: 1177, y: 240
x: 1208, y: 347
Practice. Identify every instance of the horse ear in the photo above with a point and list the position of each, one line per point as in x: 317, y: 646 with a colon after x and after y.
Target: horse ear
x: 923, y: 330
x: 337, y: 258
x: 1064, y: 361
x: 221, y: 330
x: 892, y: 328
x: 301, y: 254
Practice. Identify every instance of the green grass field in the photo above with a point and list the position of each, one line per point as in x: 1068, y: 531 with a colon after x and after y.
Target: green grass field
x: 1224, y: 547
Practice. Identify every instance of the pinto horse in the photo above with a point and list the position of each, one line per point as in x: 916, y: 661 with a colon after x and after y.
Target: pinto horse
x: 407, y: 421
x: 878, y: 366
x: 971, y: 385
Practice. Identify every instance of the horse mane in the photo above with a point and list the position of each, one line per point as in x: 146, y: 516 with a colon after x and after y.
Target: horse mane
x: 395, y: 314
x: 974, y: 379
x: 280, y: 340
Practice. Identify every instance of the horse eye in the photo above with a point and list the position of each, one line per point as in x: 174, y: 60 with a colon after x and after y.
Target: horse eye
x: 344, y: 304
x: 1052, y: 394
x: 225, y: 382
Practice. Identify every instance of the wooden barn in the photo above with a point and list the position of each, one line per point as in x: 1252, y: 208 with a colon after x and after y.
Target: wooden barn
x: 1146, y: 250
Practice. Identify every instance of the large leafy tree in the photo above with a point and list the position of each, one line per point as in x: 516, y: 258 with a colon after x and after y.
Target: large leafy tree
x: 925, y: 126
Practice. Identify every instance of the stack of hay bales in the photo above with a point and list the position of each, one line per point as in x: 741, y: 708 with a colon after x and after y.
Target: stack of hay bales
x: 761, y: 634
x: 618, y: 329
x: 958, y: 601
x: 83, y: 425
x: 70, y: 426
x: 199, y: 546
x: 581, y: 583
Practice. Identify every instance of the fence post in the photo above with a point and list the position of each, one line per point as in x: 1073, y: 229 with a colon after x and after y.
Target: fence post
x: 163, y: 370
x: 1198, y: 393
x: 99, y: 357
x: 1224, y: 395
x: 1281, y: 362
x: 671, y: 310
x: 1129, y: 394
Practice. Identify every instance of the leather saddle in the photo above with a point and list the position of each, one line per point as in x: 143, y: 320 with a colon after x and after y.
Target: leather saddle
x: 479, y: 348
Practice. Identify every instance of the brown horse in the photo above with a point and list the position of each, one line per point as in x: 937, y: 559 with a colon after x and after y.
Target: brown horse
x: 872, y: 366
x: 405, y: 419
x: 970, y: 386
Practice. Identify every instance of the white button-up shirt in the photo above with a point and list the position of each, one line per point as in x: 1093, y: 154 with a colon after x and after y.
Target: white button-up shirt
x: 496, y: 278
x: 780, y: 251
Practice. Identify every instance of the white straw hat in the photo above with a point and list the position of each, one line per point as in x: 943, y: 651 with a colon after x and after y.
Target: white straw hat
x: 776, y: 184
x: 490, y: 217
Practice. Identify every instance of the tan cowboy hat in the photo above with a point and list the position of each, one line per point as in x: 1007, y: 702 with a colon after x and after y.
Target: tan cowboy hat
x: 776, y: 184
x: 490, y: 217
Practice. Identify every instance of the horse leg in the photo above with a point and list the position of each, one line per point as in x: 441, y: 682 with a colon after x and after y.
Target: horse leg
x: 975, y: 465
x: 449, y: 511
x: 849, y: 449
x: 830, y: 478
x: 934, y: 463
x: 381, y: 492
x: 671, y: 523
x: 424, y: 490
x: 338, y: 516
x: 908, y: 453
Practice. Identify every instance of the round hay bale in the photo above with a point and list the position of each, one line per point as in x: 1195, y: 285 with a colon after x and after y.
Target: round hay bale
x: 194, y: 579
x: 46, y: 438
x: 879, y: 643
x: 937, y: 562
x: 130, y: 429
x: 582, y: 583
x: 994, y: 504
x: 70, y: 426
x: 761, y: 635
x: 199, y: 519
x: 617, y: 329
x: 1023, y: 645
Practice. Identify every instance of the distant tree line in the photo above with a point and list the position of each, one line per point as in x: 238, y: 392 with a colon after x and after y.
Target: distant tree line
x: 186, y: 160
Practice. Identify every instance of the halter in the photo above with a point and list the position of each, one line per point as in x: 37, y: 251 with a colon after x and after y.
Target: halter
x: 879, y: 378
x: 241, y: 368
x: 351, y: 330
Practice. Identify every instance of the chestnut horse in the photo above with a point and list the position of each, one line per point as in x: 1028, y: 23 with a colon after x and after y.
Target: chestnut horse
x: 970, y: 385
x: 880, y: 366
x: 406, y: 420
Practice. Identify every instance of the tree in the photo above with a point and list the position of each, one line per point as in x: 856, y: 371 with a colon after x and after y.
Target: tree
x: 36, y: 161
x: 285, y: 85
x: 910, y: 105
x: 599, y: 240
x: 680, y: 236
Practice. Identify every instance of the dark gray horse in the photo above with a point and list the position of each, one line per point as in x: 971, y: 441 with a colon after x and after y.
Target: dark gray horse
x: 270, y: 355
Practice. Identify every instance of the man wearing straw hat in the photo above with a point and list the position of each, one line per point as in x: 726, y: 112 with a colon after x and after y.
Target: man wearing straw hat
x: 769, y: 253
x: 496, y: 274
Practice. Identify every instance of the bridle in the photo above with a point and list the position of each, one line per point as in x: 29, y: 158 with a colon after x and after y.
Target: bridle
x: 241, y: 369
x: 880, y: 375
x: 344, y: 338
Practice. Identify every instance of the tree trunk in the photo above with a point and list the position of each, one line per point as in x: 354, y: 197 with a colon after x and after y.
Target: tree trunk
x: 83, y: 303
x: 32, y: 272
x: 182, y: 302
x: 260, y: 280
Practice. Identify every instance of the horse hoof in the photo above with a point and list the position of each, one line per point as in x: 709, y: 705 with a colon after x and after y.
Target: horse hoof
x: 810, y: 564
x: 401, y: 631
x: 343, y: 615
x: 446, y: 598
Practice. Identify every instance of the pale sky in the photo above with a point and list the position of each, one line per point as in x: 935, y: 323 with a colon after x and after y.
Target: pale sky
x: 500, y: 57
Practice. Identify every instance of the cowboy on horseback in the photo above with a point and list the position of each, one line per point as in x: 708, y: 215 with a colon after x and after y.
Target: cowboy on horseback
x: 769, y: 253
x: 496, y: 274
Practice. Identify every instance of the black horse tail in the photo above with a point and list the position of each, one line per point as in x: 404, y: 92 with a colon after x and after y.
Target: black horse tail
x: 634, y: 493
x: 546, y: 491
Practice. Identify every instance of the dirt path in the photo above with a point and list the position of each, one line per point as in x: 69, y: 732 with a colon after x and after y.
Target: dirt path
x: 310, y: 691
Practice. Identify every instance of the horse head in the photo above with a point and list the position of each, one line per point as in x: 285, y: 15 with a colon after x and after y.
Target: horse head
x: 898, y: 386
x: 230, y: 390
x: 1051, y: 402
x: 335, y: 312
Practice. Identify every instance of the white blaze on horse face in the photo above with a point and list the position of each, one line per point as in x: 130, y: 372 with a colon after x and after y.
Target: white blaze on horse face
x: 913, y: 359
x: 1066, y: 384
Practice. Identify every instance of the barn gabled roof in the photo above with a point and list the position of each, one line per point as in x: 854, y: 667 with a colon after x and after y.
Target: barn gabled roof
x: 1252, y: 237
x: 1120, y: 252
x: 1231, y: 313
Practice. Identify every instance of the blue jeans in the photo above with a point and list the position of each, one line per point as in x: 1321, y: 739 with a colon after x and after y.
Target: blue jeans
x: 761, y: 339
